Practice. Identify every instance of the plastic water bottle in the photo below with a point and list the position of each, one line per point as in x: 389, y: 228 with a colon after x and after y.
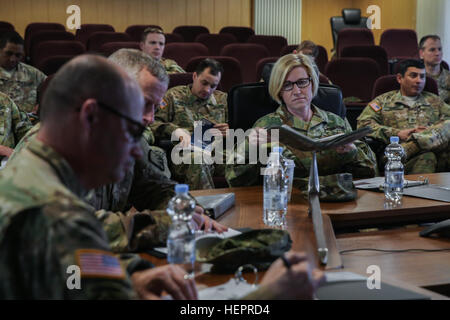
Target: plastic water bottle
x: 394, y: 171
x: 181, y: 238
x: 275, y: 191
x: 288, y: 167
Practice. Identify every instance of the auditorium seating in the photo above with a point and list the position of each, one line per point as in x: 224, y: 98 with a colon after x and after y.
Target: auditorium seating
x: 182, y: 52
x: 241, y: 33
x: 51, y: 65
x: 353, y: 37
x: 110, y: 47
x: 173, y: 37
x: 6, y: 25
x: 189, y: 33
x: 232, y: 74
x: 215, y: 42
x: 274, y: 44
x: 260, y: 66
x: 400, y: 43
x: 376, y: 53
x: 47, y: 35
x: 248, y: 54
x: 180, y: 79
x: 56, y: 48
x: 86, y: 30
x: 389, y: 82
x: 97, y: 39
x: 35, y: 27
x: 351, y: 18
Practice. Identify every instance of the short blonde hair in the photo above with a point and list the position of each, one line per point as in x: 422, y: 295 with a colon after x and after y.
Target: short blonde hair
x: 283, y: 66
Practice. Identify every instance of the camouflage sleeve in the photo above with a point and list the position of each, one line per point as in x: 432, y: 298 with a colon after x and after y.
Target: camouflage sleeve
x: 163, y: 127
x: 173, y: 67
x: 371, y: 118
x: 53, y: 242
x: 20, y: 122
x: 444, y: 111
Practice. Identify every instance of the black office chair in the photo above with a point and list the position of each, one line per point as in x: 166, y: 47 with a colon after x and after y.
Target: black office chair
x: 250, y: 101
x: 351, y: 18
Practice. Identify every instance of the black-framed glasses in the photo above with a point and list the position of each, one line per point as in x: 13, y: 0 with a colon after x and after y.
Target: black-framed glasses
x: 136, y: 130
x: 301, y: 83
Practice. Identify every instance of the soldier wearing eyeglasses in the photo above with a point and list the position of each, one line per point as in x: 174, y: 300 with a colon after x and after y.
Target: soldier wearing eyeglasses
x: 293, y: 85
x: 18, y: 80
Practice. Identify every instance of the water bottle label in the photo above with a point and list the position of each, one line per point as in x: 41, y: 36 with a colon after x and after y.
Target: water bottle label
x: 394, y: 179
x: 274, y: 200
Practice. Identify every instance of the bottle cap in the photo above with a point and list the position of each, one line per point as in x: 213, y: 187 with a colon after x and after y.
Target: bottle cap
x: 181, y: 188
x: 277, y: 149
x: 394, y: 139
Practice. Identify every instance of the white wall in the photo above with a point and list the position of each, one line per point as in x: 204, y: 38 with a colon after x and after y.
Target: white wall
x: 433, y: 18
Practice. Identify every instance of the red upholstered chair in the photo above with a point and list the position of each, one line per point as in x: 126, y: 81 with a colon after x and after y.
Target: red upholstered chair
x: 241, y: 33
x: 376, y: 53
x: 47, y: 35
x: 215, y: 42
x: 97, y: 39
x: 86, y: 30
x: 52, y: 64
x: 248, y: 54
x: 56, y: 48
x: 356, y: 77
x: 288, y: 49
x: 273, y: 43
x: 182, y: 52
x: 388, y: 83
x: 180, y: 79
x: 232, y: 73
x: 400, y: 43
x: 135, y: 31
x: 173, y: 37
x: 109, y: 48
x: 34, y: 27
x: 6, y: 25
x: 189, y: 33
x: 322, y: 58
x: 353, y: 37
x: 261, y: 63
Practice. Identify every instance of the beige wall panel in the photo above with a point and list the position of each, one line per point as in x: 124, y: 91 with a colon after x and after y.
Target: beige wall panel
x: 214, y: 14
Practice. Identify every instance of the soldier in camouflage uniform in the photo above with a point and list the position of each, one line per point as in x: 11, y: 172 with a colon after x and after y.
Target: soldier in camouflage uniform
x: 293, y: 84
x: 45, y: 226
x: 13, y: 125
x: 431, y: 53
x: 181, y: 107
x: 18, y: 80
x: 420, y: 119
x: 152, y: 43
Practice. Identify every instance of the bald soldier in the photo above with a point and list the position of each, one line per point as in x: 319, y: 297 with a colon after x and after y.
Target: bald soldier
x: 152, y: 43
x: 90, y: 136
x: 420, y: 119
x: 18, y: 80
x: 184, y: 105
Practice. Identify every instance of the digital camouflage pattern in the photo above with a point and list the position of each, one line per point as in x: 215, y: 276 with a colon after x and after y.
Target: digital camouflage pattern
x: 44, y: 225
x: 427, y: 151
x: 361, y: 162
x: 443, y: 82
x: 21, y: 85
x: 144, y: 187
x: 171, y: 66
x: 333, y: 188
x: 180, y: 109
x: 14, y: 124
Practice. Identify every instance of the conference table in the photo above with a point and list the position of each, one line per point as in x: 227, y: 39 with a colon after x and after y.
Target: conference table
x: 364, y: 223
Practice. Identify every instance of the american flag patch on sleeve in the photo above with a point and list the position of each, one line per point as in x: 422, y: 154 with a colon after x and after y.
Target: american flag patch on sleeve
x: 375, y: 107
x: 99, y: 264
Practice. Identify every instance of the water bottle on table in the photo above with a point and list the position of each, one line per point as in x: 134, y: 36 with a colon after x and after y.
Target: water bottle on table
x: 394, y: 171
x: 288, y: 166
x: 181, y: 238
x: 275, y: 191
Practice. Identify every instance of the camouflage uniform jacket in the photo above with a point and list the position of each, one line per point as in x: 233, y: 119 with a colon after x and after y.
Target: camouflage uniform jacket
x: 443, y: 82
x: 389, y: 113
x: 13, y: 123
x: 21, y: 85
x: 180, y: 108
x: 360, y: 162
x: 45, y: 227
x: 171, y: 66
x: 145, y: 186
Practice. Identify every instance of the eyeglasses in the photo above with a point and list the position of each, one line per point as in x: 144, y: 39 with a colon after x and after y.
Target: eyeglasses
x: 301, y: 83
x: 136, y: 130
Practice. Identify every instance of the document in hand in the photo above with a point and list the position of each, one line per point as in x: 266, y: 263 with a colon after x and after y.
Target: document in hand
x: 295, y: 139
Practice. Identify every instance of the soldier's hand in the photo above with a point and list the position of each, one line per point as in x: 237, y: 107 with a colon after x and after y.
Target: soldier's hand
x: 5, y: 151
x: 183, y: 136
x: 405, y: 133
x: 150, y: 283
x: 300, y: 281
x: 202, y: 221
x: 222, y: 127
x: 419, y: 129
x: 345, y: 148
